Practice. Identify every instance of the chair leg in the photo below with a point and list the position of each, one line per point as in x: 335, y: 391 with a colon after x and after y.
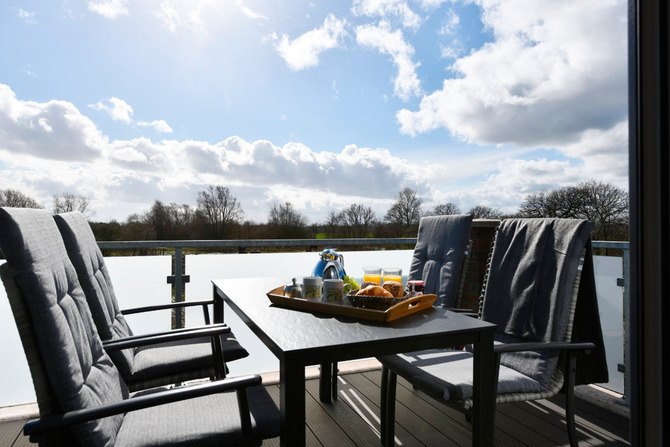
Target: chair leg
x: 389, y: 381
x: 570, y: 400
x: 382, y: 403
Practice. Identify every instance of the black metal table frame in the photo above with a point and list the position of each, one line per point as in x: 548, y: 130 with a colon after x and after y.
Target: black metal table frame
x: 292, y: 366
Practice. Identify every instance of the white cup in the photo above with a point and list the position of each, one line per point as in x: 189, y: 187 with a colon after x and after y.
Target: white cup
x: 311, y: 287
x: 335, y: 289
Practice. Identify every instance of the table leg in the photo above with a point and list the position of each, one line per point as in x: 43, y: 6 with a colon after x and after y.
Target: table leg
x: 325, y: 379
x: 484, y: 390
x: 292, y: 402
x: 218, y: 306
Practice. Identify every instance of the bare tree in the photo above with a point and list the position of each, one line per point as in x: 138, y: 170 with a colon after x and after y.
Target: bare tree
x: 405, y: 213
x: 16, y: 199
x: 334, y: 223
x: 68, y: 202
x: 604, y: 204
x: 159, y: 218
x: 219, y: 209
x: 485, y: 212
x: 359, y: 219
x: 171, y: 221
x: 445, y: 209
x: 286, y: 220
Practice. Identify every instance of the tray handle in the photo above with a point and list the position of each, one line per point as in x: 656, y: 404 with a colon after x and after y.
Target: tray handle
x: 410, y: 306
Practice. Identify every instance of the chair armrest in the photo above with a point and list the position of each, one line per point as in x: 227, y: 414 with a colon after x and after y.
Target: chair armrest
x: 171, y: 331
x: 40, y: 426
x: 137, y: 310
x: 152, y: 339
x: 542, y: 346
x: 177, y: 305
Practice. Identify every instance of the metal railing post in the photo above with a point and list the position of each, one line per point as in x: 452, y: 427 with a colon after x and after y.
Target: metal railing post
x: 178, y: 280
x: 625, y: 284
x: 626, y: 326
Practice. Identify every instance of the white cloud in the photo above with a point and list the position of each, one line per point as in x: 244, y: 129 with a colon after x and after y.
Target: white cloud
x: 303, y: 51
x: 159, y: 125
x: 51, y: 147
x: 110, y: 9
x: 249, y: 12
x: 381, y: 38
x: 554, y: 70
x: 53, y: 130
x: 604, y: 153
x: 388, y: 9
x: 169, y: 15
x: 118, y: 109
x: 192, y: 16
x: 26, y: 16
x: 450, y: 24
x: 452, y: 51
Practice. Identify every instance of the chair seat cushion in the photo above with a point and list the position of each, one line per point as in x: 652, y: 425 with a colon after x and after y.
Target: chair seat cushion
x: 429, y: 370
x: 178, y: 357
x: 203, y: 421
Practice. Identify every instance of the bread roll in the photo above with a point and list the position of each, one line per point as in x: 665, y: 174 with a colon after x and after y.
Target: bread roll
x: 375, y: 291
x: 395, y: 288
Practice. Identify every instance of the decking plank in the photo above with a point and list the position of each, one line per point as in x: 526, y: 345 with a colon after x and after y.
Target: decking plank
x: 422, y: 421
x: 10, y: 431
x: 354, y: 395
x: 422, y: 416
x: 450, y: 421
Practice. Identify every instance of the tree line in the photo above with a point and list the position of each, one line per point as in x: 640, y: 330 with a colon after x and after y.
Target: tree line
x: 219, y: 215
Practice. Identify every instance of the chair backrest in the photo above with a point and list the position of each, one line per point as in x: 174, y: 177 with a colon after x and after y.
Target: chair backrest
x: 439, y: 253
x: 94, y: 278
x: 56, y: 321
x: 529, y: 287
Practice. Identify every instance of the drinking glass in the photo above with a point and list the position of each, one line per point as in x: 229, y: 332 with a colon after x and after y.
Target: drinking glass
x: 372, y: 274
x: 392, y: 274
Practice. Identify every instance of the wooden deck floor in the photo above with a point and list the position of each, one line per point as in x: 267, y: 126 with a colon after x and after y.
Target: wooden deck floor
x: 353, y: 420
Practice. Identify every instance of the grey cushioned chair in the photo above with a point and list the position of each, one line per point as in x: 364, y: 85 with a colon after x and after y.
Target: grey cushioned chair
x: 439, y: 256
x: 149, y: 365
x: 82, y: 398
x: 540, y: 291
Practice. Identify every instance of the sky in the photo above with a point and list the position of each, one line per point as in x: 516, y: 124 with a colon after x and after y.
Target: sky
x: 319, y: 103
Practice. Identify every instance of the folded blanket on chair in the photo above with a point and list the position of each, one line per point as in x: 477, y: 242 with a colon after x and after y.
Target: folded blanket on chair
x: 523, y: 299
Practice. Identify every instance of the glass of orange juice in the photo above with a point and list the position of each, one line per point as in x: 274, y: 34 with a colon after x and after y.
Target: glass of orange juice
x: 392, y: 274
x: 372, y: 274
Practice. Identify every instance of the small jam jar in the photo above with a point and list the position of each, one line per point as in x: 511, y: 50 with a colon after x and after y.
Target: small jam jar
x: 415, y: 287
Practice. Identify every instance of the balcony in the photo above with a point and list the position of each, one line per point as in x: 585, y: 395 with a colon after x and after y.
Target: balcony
x: 140, y: 280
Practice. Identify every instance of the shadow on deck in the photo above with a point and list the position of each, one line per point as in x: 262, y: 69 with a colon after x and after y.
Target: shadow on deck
x: 353, y: 420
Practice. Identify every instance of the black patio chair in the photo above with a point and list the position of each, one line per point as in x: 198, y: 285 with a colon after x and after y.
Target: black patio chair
x: 148, y: 365
x: 82, y: 398
x: 540, y: 291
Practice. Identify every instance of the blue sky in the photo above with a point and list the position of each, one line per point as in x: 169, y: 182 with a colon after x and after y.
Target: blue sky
x: 320, y: 103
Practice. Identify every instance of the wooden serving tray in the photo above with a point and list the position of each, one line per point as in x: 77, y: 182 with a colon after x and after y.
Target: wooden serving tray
x: 402, y: 309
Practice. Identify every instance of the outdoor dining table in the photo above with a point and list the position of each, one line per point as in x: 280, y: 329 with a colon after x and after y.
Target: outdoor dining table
x: 299, y: 339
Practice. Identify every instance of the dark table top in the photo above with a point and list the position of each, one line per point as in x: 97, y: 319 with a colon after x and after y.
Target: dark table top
x: 322, y: 338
